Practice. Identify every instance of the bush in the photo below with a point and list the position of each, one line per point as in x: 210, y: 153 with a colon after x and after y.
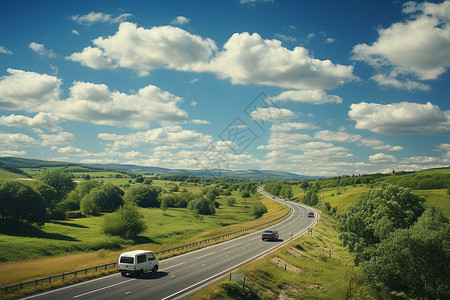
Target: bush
x: 143, y: 196
x: 126, y: 222
x: 236, y: 290
x: 257, y: 210
x: 231, y: 201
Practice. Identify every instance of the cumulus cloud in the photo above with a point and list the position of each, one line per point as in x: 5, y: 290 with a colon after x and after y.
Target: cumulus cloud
x: 93, y: 58
x: 23, y: 90
x: 173, y: 135
x: 389, y: 81
x: 400, y: 118
x: 4, y: 50
x: 271, y: 114
x: 341, y: 136
x: 180, y: 20
x: 61, y: 138
x: 382, y: 158
x: 247, y: 58
x: 99, y: 17
x: 308, y: 96
x: 40, y: 121
x: 88, y: 102
x: 13, y: 153
x: 40, y: 49
x: 419, y: 46
x: 197, y: 121
x: 143, y: 49
x: 288, y: 126
x: 16, y: 140
x: 95, y: 103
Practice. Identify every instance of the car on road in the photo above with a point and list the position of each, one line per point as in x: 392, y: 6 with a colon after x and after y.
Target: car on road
x: 270, y: 235
x: 310, y: 215
x: 138, y: 262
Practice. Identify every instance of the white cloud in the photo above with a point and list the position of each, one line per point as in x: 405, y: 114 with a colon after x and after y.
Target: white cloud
x: 389, y: 81
x: 4, y: 50
x: 271, y: 113
x: 13, y: 153
x: 419, y: 46
x: 286, y: 37
x: 250, y: 59
x: 40, y: 49
x: 288, y: 126
x: 95, y: 103
x: 197, y: 121
x: 382, y: 158
x: 143, y: 49
x: 180, y: 20
x: 39, y: 121
x: 93, y: 58
x: 62, y: 138
x: 16, y: 140
x: 308, y: 96
x: 173, y: 135
x: 245, y: 58
x: 98, y: 17
x: 330, y: 40
x: 327, y: 135
x: 400, y: 118
x: 23, y: 90
x: 75, y: 32
x: 282, y: 140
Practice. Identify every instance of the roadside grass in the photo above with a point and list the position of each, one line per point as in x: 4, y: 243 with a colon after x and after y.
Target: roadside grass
x: 303, y: 269
x: 68, y: 241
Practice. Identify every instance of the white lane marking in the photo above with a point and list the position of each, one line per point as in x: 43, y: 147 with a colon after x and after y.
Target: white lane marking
x: 174, y: 266
x: 203, y: 265
x: 232, y: 246
x: 206, y: 255
x: 101, y: 289
x: 127, y: 293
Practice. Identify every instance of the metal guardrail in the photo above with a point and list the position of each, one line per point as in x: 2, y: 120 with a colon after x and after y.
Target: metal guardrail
x: 114, y: 264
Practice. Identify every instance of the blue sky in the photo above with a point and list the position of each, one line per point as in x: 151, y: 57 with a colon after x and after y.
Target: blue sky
x: 310, y: 87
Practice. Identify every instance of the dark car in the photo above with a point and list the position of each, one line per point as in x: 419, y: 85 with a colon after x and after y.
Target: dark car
x: 310, y: 215
x: 270, y: 235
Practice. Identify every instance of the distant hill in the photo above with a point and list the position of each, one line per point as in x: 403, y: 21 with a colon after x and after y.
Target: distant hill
x: 14, y: 162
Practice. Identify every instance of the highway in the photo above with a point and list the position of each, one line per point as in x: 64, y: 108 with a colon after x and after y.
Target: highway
x: 183, y: 274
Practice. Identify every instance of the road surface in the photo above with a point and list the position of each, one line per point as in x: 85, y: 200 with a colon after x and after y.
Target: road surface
x: 181, y: 275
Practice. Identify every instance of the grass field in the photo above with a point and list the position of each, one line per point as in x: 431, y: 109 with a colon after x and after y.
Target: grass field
x: 78, y: 237
x: 310, y: 272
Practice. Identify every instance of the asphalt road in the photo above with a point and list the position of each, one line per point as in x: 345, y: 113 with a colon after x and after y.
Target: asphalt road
x: 181, y: 275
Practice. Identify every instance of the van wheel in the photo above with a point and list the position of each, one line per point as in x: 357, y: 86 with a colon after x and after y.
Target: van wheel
x: 123, y: 274
x: 155, y: 268
x: 141, y: 273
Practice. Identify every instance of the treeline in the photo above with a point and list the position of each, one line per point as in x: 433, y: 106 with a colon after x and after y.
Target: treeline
x: 421, y: 181
x: 279, y: 188
x: 399, y: 242
x: 12, y: 169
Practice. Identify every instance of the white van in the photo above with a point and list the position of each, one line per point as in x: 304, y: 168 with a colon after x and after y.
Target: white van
x: 138, y: 262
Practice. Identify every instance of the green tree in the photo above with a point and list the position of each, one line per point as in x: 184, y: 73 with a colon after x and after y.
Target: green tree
x: 143, y: 196
x: 20, y: 203
x: 231, y: 201
x: 126, y: 222
x: 375, y: 215
x: 415, y: 260
x: 202, y: 206
x: 114, y: 197
x: 305, y: 185
x: 257, y: 210
x: 90, y: 203
x: 60, y: 181
x: 139, y: 179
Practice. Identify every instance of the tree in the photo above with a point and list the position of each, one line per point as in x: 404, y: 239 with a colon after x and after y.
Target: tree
x: 126, y: 222
x: 202, y: 206
x: 415, y: 260
x: 143, y: 196
x: 311, y: 198
x: 257, y: 210
x: 139, y: 179
x: 375, y: 216
x: 231, y: 201
x: 20, y: 203
x: 105, y: 198
x: 60, y: 181
x: 304, y: 185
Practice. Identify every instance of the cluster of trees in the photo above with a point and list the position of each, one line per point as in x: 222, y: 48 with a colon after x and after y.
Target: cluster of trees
x: 279, y: 188
x: 421, y: 181
x: 399, y: 242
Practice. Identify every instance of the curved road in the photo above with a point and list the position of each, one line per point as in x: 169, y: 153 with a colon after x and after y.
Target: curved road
x: 181, y: 275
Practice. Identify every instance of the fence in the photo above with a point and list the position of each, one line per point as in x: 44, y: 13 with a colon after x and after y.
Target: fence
x: 212, y: 240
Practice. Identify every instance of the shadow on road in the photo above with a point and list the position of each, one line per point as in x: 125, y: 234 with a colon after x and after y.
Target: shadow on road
x: 151, y: 276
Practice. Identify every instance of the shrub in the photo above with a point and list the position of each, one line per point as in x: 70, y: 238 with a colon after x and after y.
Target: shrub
x: 126, y: 222
x: 257, y: 210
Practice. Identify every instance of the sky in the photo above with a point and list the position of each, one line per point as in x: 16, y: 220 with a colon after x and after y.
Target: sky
x: 319, y: 88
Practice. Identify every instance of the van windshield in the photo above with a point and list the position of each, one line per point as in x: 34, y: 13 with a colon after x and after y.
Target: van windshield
x: 126, y: 260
